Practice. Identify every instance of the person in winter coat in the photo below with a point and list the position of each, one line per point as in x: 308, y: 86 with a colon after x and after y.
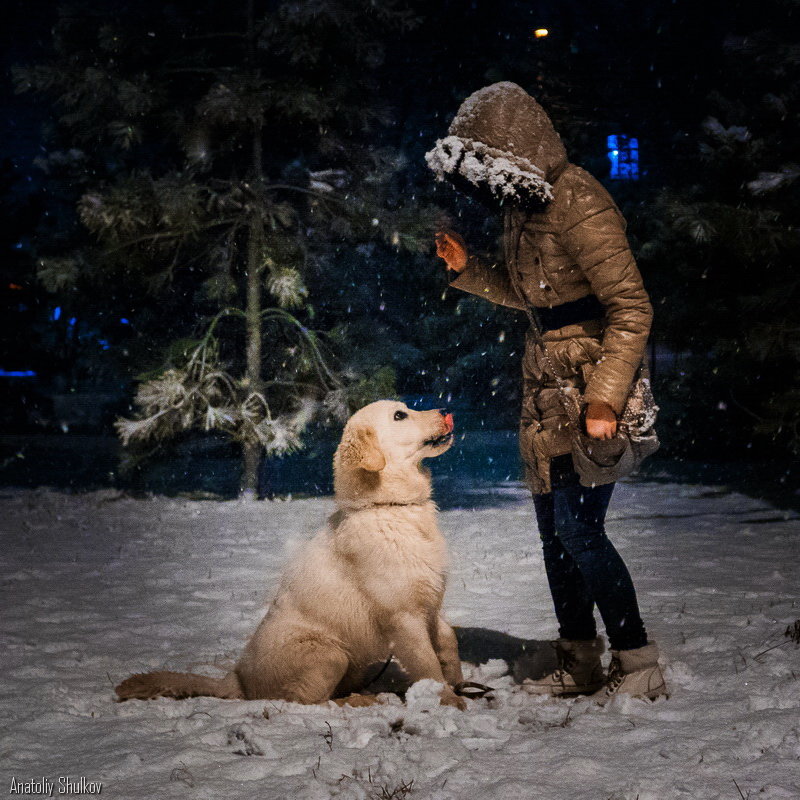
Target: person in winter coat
x: 566, y: 254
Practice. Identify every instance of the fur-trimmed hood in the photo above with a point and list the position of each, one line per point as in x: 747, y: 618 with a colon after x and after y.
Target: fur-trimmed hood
x: 501, y: 138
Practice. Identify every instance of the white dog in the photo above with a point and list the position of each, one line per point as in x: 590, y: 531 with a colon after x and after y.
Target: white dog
x: 366, y: 588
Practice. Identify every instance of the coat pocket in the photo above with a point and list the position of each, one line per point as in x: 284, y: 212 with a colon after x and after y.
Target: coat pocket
x: 570, y: 356
x: 593, y: 352
x: 593, y: 348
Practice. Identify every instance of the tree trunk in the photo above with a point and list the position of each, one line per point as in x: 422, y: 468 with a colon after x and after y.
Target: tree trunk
x: 255, y: 256
x: 252, y: 451
x: 251, y: 461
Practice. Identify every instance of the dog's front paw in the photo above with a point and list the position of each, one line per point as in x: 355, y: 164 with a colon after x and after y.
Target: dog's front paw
x: 358, y: 700
x: 450, y: 698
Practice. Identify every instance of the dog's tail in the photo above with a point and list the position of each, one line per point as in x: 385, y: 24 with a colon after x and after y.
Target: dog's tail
x: 179, y: 685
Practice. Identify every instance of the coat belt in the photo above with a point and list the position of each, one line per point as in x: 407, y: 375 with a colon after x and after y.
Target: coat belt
x: 570, y: 313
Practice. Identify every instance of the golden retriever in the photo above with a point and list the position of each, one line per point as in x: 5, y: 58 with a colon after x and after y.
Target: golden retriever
x: 366, y: 588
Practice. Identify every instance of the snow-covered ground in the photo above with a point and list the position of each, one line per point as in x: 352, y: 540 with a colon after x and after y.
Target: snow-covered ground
x: 97, y: 586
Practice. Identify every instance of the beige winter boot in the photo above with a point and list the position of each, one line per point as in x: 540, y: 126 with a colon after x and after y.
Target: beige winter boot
x: 634, y: 672
x: 579, y: 670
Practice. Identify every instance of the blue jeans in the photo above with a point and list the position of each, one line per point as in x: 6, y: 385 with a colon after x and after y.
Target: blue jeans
x: 583, y: 567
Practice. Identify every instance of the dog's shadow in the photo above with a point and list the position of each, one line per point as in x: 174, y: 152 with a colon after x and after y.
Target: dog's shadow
x: 526, y: 658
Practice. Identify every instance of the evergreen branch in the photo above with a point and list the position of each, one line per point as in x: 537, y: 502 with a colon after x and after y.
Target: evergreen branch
x: 223, y: 378
x: 198, y: 70
x: 226, y: 312
x: 200, y: 36
x: 152, y: 237
x: 743, y: 407
x: 306, y: 384
x: 307, y: 336
x: 320, y: 364
x: 321, y: 195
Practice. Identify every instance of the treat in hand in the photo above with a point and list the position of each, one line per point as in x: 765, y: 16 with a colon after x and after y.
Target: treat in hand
x: 452, y: 248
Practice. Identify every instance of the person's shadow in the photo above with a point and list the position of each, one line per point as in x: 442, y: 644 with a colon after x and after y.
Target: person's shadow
x: 526, y: 658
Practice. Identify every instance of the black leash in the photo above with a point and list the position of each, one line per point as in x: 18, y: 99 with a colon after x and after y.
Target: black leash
x: 472, y: 690
x: 380, y: 671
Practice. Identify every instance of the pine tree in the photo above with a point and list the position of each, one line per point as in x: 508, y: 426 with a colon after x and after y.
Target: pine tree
x: 724, y: 247
x: 227, y: 153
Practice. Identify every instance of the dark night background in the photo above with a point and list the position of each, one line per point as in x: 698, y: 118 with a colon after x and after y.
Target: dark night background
x: 128, y: 127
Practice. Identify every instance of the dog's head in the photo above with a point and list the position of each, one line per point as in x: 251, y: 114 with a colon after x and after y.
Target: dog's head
x: 381, y: 449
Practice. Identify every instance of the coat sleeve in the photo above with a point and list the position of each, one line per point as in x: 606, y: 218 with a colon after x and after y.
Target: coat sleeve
x: 594, y: 236
x: 489, y: 281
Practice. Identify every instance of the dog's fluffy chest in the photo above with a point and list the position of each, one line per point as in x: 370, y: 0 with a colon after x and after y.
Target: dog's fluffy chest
x: 400, y: 546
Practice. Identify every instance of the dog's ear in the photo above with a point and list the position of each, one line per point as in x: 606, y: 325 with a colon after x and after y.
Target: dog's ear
x: 360, y: 448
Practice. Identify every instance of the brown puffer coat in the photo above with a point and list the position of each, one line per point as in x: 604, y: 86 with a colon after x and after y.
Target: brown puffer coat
x: 502, y: 139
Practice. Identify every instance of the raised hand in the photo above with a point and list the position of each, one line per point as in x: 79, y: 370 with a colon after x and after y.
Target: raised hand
x: 452, y: 248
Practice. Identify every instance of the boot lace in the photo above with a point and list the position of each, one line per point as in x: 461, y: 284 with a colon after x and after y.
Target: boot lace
x: 615, y: 676
x: 566, y: 663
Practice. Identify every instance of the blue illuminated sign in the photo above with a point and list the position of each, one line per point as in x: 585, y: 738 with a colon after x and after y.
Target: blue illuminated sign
x: 623, y: 153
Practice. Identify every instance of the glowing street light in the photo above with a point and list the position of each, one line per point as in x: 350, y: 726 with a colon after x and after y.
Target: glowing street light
x: 540, y: 33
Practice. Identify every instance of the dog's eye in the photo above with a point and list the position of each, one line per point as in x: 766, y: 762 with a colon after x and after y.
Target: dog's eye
x: 398, y: 415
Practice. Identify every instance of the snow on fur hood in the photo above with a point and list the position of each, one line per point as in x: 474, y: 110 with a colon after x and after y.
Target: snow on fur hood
x: 503, y: 138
